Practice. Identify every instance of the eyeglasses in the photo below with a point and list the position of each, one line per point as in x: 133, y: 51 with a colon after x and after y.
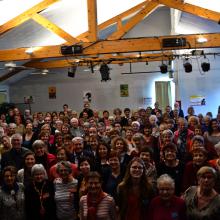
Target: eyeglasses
x: 137, y: 168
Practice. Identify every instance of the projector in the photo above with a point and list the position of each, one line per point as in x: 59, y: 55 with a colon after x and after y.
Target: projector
x: 74, y: 49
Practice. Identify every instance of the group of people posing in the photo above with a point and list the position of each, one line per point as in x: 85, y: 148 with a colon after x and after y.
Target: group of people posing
x: 146, y: 165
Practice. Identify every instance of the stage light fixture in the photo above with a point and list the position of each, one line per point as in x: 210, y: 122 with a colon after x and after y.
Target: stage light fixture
x: 104, y: 71
x: 205, y: 65
x: 163, y: 68
x: 187, y: 65
x: 72, y: 71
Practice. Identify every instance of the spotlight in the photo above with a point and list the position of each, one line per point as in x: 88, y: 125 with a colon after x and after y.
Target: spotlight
x: 104, y: 71
x: 72, y: 71
x: 163, y: 68
x: 205, y: 66
x: 187, y: 66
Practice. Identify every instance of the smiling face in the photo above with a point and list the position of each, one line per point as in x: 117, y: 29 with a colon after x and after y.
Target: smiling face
x: 103, y: 151
x: 199, y: 158
x: 170, y: 154
x: 166, y: 190
x: 29, y: 161
x: 206, y: 181
x: 94, y: 185
x: 136, y: 170
x: 84, y: 167
x: 9, y: 178
x: 39, y: 176
x: 114, y: 162
x: 119, y: 146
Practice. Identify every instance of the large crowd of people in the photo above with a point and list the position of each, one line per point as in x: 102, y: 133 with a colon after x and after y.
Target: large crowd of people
x: 131, y: 165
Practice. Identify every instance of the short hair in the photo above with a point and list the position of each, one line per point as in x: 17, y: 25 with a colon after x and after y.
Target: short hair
x: 165, y: 178
x: 135, y: 123
x: 127, y: 109
x: 167, y: 131
x: 38, y: 143
x: 12, y: 169
x: 206, y: 169
x: 66, y: 164
x: 170, y: 146
x: 198, y: 138
x: 93, y: 174
x: 38, y: 168
x: 77, y: 139
x: 17, y: 135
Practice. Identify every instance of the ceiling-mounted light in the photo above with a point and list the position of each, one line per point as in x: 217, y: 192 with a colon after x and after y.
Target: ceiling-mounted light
x: 201, y: 40
x: 187, y: 65
x: 72, y: 71
x: 104, y: 71
x: 163, y: 68
x: 205, y: 65
x: 29, y: 51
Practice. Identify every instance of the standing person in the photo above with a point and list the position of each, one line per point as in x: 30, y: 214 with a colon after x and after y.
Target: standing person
x: 96, y: 204
x: 65, y: 192
x: 11, y: 196
x: 15, y: 156
x: 29, y: 136
x: 134, y: 192
x: 39, y: 196
x: 24, y: 175
x: 171, y: 165
x: 41, y: 155
x: 202, y: 201
x: 166, y: 205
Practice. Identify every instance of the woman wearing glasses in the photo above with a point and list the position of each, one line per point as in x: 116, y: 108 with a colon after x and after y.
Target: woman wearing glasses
x: 134, y: 192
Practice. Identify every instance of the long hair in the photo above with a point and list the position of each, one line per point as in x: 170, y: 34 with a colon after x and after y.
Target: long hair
x: 144, y: 185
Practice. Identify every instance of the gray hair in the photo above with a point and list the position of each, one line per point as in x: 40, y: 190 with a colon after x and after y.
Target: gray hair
x: 167, y: 131
x: 77, y: 139
x: 38, y: 143
x: 165, y: 178
x: 135, y: 123
x: 17, y: 135
x: 66, y: 164
x: 39, y: 168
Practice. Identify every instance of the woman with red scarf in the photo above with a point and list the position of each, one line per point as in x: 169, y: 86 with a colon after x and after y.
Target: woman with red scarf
x: 96, y: 205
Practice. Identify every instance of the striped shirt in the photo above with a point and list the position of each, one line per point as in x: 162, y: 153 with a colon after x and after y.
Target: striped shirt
x: 64, y: 198
x: 105, y: 211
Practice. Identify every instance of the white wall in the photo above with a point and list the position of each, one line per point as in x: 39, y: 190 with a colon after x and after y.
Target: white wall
x: 105, y: 95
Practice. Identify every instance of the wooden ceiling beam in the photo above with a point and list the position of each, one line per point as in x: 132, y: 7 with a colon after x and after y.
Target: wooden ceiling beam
x: 115, y: 46
x: 192, y: 9
x: 92, y: 20
x: 116, y: 18
x: 149, y: 7
x: 54, y: 29
x: 127, y: 58
x: 14, y: 22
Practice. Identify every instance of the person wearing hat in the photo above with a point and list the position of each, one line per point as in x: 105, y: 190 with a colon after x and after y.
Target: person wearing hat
x: 202, y: 201
x: 199, y: 159
x: 171, y: 165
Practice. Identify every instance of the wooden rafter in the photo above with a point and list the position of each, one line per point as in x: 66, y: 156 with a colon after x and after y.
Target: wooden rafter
x: 150, y: 6
x: 116, y: 18
x: 92, y: 20
x: 25, y: 15
x: 192, y: 9
x: 54, y: 28
x: 130, y: 58
x: 117, y: 46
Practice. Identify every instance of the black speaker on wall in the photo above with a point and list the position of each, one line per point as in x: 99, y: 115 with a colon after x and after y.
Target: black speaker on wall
x: 72, y: 71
